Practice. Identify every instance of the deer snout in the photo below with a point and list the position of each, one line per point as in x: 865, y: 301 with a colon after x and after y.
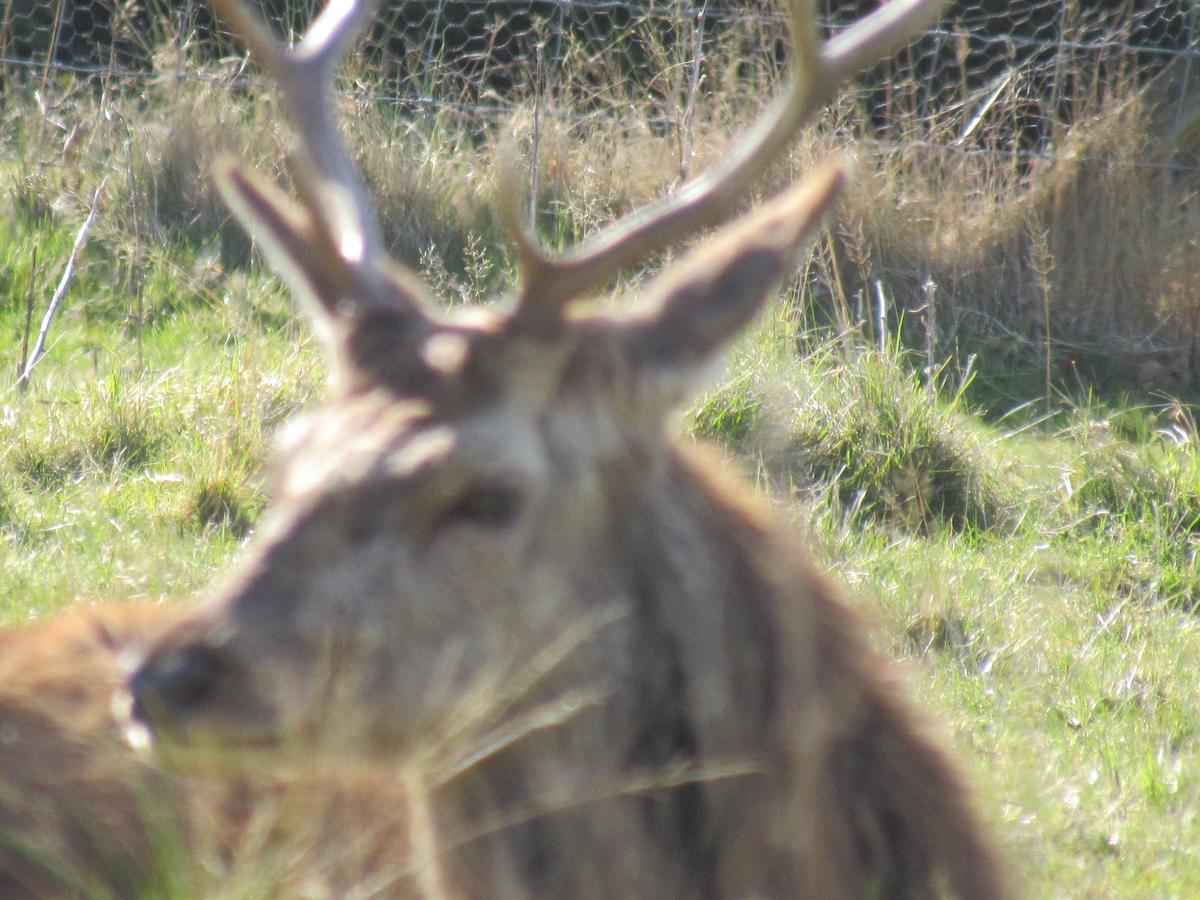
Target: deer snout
x: 174, y: 685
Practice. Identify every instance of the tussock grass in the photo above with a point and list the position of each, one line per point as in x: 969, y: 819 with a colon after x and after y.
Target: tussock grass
x: 897, y: 451
x: 138, y: 477
x: 885, y: 447
x: 222, y: 501
x: 98, y: 436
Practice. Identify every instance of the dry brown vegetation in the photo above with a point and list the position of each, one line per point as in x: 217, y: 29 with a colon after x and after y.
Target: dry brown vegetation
x: 1086, y: 248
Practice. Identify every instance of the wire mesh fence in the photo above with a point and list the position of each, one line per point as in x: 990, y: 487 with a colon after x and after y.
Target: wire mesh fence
x: 992, y: 74
x: 990, y: 188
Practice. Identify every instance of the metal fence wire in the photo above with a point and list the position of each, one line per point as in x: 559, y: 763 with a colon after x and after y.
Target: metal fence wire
x: 992, y: 74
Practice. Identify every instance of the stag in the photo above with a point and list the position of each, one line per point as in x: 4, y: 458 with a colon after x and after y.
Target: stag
x: 489, y: 563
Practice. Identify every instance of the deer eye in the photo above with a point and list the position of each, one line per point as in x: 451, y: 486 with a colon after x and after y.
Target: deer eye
x: 485, y: 506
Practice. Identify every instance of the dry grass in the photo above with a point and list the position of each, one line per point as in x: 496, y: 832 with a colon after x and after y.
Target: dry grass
x: 1084, y: 252
x: 1088, y: 250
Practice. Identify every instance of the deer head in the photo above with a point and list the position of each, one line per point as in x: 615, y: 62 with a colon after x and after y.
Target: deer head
x: 491, y: 503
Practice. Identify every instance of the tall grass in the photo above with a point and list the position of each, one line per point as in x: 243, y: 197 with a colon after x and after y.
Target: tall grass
x: 1078, y: 259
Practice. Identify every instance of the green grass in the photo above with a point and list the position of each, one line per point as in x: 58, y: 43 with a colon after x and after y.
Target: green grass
x: 1036, y: 568
x: 1040, y: 577
x: 124, y: 479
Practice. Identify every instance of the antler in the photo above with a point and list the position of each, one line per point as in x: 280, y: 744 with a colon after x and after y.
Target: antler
x: 816, y: 73
x: 340, y: 215
x: 345, y: 259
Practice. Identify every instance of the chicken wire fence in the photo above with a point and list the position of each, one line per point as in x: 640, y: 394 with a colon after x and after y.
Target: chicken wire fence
x: 991, y: 75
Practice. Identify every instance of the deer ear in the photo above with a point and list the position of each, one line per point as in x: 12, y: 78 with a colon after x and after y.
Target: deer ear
x: 702, y: 301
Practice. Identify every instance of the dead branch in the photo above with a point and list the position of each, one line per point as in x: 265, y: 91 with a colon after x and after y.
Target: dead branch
x: 60, y: 293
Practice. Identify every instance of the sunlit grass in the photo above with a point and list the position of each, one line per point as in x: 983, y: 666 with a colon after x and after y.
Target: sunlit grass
x: 1037, y: 566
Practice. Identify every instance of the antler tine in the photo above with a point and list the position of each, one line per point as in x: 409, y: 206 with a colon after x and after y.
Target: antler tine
x: 530, y: 257
x: 816, y: 73
x: 331, y: 187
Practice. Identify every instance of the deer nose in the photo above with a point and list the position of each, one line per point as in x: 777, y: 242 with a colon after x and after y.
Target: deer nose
x: 172, y: 685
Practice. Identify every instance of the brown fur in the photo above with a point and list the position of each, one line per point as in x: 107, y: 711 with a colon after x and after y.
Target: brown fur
x: 83, y: 815
x: 70, y: 812
x: 851, y: 794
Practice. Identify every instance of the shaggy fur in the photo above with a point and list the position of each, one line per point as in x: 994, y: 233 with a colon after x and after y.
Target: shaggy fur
x: 820, y: 780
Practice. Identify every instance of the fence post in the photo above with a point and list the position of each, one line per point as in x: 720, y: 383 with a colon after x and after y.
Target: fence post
x: 1187, y: 66
x: 4, y: 38
x: 52, y: 50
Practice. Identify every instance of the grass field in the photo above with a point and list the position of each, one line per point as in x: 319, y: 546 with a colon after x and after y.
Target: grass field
x: 1036, y: 564
x: 1040, y: 575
